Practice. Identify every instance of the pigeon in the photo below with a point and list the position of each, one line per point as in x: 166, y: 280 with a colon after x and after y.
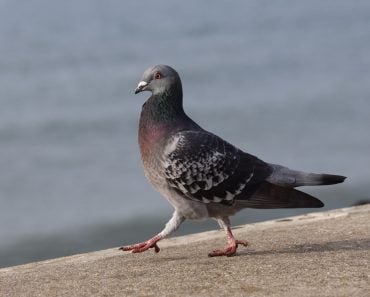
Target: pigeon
x: 202, y: 175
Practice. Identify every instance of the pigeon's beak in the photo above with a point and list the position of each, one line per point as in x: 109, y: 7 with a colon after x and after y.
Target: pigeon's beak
x: 141, y: 87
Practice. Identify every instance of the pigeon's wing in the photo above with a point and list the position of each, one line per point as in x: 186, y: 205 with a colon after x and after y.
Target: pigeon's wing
x: 203, y: 167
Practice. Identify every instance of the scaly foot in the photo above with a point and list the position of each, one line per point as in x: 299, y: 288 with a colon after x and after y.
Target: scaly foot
x: 230, y: 250
x: 143, y: 246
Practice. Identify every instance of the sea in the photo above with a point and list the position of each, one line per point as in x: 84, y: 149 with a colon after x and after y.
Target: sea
x: 288, y: 81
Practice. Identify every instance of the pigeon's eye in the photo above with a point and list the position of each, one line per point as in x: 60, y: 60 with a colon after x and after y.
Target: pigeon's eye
x: 157, y: 75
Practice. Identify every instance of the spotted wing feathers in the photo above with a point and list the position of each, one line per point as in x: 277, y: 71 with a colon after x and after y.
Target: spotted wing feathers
x: 203, y: 167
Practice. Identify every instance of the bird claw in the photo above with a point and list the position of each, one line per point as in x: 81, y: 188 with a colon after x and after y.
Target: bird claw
x: 142, y: 246
x: 230, y: 250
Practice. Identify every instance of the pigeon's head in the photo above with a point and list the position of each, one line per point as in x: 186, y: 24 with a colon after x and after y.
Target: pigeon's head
x: 159, y: 79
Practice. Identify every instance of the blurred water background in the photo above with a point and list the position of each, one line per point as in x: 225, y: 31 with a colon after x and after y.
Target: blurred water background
x: 288, y: 81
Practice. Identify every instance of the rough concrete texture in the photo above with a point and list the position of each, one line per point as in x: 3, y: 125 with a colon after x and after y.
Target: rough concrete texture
x: 319, y: 254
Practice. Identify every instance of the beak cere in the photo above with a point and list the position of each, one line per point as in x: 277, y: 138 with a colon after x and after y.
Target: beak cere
x: 140, y: 87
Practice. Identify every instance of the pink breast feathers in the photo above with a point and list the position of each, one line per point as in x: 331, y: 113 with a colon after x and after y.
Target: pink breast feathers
x: 149, y: 137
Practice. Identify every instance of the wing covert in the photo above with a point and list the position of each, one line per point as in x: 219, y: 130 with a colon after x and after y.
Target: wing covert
x: 203, y: 167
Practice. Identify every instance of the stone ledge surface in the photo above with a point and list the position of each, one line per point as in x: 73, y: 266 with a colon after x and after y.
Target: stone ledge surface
x: 318, y: 254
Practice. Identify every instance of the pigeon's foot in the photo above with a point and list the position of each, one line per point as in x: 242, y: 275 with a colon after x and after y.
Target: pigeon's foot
x: 143, y: 246
x: 233, y: 243
x: 230, y: 250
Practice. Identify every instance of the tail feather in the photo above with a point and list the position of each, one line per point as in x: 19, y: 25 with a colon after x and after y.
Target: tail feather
x: 314, y: 179
x: 286, y: 177
x: 273, y: 196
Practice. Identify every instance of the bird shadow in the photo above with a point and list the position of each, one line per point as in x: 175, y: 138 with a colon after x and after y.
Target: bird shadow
x: 332, y: 246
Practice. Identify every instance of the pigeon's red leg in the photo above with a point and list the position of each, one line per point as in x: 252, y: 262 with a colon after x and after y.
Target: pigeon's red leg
x: 172, y: 225
x: 232, y: 246
x: 143, y: 246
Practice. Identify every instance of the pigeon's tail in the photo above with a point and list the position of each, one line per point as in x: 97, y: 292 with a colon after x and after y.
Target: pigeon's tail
x: 286, y: 177
x: 273, y: 196
x: 314, y: 179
